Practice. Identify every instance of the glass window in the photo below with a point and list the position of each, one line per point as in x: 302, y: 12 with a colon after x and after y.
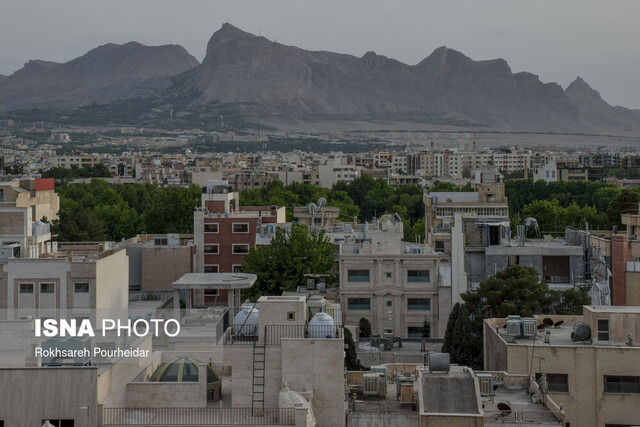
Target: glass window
x: 418, y: 276
x: 603, y: 329
x: 26, y: 288
x: 210, y: 268
x: 47, y: 288
x: 241, y: 248
x: 240, y: 227
x: 211, y: 249
x: 621, y: 384
x: 81, y: 288
x: 358, y: 303
x: 357, y: 275
x: 212, y: 292
x: 414, y: 332
x: 422, y: 304
x: 210, y: 227
x: 558, y: 383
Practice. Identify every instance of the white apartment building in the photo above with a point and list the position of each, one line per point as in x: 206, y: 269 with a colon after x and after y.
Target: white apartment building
x: 334, y: 171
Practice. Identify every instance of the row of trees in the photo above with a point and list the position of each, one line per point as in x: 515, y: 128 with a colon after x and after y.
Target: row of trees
x: 64, y: 175
x: 515, y: 290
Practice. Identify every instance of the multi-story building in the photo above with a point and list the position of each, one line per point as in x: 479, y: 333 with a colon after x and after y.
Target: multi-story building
x: 75, y: 159
x: 224, y: 231
x: 25, y: 211
x: 334, y: 171
x: 394, y: 284
x: 591, y: 362
x: 250, y: 180
x: 86, y: 281
x: 325, y: 216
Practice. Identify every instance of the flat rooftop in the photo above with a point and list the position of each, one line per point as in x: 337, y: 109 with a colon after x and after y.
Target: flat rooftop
x: 521, y: 403
x: 215, y: 281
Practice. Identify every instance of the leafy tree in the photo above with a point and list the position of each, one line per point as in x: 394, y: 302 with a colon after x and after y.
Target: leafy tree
x: 515, y: 290
x: 365, y: 327
x: 625, y: 202
x: 351, y: 361
x: 77, y: 225
x: 282, y: 265
x: 426, y: 328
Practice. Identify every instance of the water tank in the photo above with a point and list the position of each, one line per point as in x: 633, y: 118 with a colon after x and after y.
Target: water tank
x: 246, y: 321
x: 581, y: 332
x: 439, y: 362
x: 322, y: 326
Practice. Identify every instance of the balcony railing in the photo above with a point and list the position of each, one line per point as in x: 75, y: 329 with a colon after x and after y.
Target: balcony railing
x: 197, y: 416
x: 273, y: 334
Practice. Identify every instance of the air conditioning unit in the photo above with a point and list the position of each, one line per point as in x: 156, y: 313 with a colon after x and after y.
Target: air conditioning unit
x: 514, y: 325
x: 485, y: 381
x: 529, y: 327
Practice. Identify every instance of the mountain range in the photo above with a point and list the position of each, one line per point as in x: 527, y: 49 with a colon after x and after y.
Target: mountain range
x: 254, y: 75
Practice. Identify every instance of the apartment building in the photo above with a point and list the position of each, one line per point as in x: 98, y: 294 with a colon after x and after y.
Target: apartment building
x: 250, y: 180
x: 86, y: 281
x: 25, y: 203
x: 325, y: 216
x: 394, y: 284
x: 75, y: 159
x: 334, y: 171
x: 591, y: 362
x: 224, y: 231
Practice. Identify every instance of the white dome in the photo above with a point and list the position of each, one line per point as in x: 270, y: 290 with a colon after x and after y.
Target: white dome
x: 246, y: 321
x: 322, y: 326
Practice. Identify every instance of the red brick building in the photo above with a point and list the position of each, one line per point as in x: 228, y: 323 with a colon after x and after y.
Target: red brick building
x: 224, y: 231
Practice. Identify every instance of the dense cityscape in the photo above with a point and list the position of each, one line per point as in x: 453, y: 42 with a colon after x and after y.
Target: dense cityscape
x: 266, y: 234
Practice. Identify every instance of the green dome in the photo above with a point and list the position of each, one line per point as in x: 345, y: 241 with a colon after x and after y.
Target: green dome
x: 181, y: 369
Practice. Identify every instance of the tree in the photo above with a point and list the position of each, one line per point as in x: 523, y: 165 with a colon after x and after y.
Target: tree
x: 426, y: 328
x: 75, y: 225
x: 351, y: 361
x: 625, y: 202
x: 365, y: 327
x: 515, y: 290
x: 282, y: 265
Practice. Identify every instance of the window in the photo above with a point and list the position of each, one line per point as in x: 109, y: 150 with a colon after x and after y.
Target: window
x: 358, y: 303
x: 389, y: 303
x: 212, y: 249
x: 59, y: 423
x: 237, y: 268
x: 211, y: 268
x: 558, y: 383
x: 422, y: 304
x: 357, y: 275
x: 388, y: 275
x: 414, y: 332
x: 240, y: 227
x: 439, y: 246
x: 160, y: 241
x: 240, y: 248
x: 212, y: 292
x: 388, y: 331
x: 603, y: 329
x: 418, y: 276
x: 211, y: 227
x: 619, y: 384
x: 81, y: 288
x: 291, y: 315
x: 26, y: 288
x: 47, y: 288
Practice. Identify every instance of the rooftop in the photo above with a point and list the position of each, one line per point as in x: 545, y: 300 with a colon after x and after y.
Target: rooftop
x: 523, y: 408
x: 215, y: 281
x: 453, y: 392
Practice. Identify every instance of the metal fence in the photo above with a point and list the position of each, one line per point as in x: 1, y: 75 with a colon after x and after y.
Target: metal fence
x: 273, y: 334
x: 197, y: 416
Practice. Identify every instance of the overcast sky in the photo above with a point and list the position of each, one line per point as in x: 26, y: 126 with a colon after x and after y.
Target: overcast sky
x: 556, y: 39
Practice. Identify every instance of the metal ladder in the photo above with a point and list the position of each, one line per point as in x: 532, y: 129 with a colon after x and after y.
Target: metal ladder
x: 257, y: 386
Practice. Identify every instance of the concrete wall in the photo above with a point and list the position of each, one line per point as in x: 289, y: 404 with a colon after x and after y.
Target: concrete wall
x: 146, y: 394
x: 163, y: 265
x: 38, y: 394
x: 317, y: 366
x: 112, y: 286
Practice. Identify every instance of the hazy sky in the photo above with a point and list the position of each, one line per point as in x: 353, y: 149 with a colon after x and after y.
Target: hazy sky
x: 556, y: 39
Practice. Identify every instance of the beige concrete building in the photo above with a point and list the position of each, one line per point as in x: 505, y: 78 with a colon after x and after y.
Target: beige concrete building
x: 392, y: 283
x: 591, y: 362
x: 66, y: 284
x: 288, y: 352
x: 324, y: 217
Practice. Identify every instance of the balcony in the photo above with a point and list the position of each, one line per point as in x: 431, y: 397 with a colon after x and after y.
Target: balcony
x: 198, y: 416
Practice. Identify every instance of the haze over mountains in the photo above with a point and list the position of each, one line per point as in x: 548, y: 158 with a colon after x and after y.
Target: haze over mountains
x: 284, y: 83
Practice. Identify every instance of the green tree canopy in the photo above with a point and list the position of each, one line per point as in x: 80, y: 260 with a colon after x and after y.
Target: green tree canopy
x: 282, y: 265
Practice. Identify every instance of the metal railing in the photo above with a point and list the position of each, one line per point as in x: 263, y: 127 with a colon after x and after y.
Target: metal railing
x: 273, y: 334
x: 197, y: 416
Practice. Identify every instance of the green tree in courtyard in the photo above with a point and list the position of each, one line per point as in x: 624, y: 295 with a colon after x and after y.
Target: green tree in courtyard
x: 365, y: 327
x: 282, y: 265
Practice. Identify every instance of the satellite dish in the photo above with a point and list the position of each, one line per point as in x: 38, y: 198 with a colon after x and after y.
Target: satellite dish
x: 47, y: 424
x: 504, y: 408
x: 547, y: 321
x: 312, y: 208
x: 322, y: 202
x: 558, y: 323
